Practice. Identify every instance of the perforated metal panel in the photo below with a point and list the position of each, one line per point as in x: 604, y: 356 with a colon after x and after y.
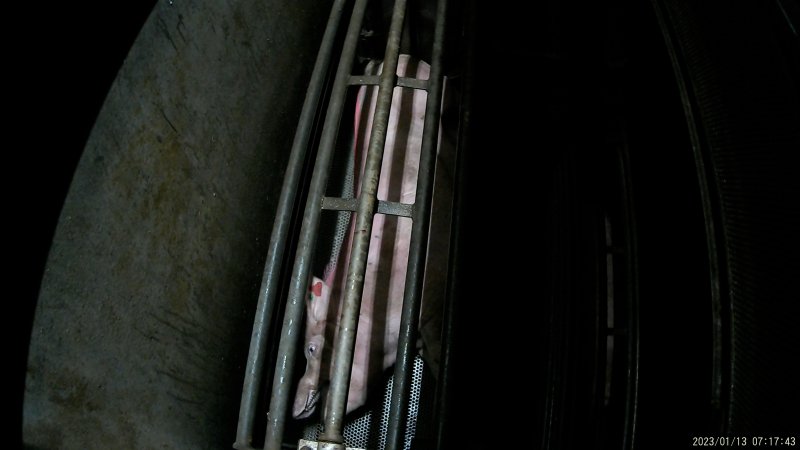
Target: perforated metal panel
x: 367, y: 429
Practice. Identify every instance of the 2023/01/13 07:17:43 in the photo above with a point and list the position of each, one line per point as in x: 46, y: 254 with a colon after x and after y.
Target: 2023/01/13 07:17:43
x: 744, y: 441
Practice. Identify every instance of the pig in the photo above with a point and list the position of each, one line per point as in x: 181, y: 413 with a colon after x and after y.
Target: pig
x: 384, y: 283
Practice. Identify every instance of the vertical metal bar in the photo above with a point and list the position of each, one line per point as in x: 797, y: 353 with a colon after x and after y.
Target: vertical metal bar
x: 409, y: 322
x: 292, y: 322
x: 632, y: 305
x: 444, y: 388
x: 280, y: 230
x: 367, y: 206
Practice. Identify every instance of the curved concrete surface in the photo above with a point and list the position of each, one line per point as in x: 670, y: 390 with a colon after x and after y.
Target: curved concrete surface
x: 144, y: 317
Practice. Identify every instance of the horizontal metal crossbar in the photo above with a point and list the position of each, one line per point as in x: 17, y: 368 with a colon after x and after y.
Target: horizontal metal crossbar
x: 373, y: 80
x: 351, y: 204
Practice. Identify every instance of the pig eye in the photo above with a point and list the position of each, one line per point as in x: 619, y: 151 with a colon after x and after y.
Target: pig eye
x: 311, y: 349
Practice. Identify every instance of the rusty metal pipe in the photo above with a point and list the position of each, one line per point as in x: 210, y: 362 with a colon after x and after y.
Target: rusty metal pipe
x: 280, y: 231
x: 409, y: 321
x: 449, y: 323
x: 292, y: 322
x: 367, y: 207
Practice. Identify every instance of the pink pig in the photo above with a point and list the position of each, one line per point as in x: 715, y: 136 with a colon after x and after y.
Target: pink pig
x: 379, y: 318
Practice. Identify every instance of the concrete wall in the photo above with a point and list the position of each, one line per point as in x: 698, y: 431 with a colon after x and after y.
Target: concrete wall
x: 144, y: 317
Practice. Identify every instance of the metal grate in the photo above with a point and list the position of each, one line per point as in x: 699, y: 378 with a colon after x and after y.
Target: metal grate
x: 368, y: 429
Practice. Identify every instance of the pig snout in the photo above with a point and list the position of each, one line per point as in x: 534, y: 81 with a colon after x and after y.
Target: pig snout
x: 310, y: 387
x: 305, y: 402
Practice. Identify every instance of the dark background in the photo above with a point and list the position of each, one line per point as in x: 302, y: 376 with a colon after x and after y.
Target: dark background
x: 63, y: 59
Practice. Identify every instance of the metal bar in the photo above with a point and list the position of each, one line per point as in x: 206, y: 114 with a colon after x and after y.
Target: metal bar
x: 351, y: 204
x: 632, y: 306
x: 339, y: 204
x: 413, y: 83
x: 348, y: 325
x: 463, y: 149
x: 409, y: 321
x: 280, y: 230
x: 363, y: 80
x: 374, y: 80
x: 395, y: 209
x: 292, y: 322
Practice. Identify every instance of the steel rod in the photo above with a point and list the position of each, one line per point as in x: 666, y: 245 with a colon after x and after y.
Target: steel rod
x: 409, y: 322
x: 367, y: 203
x: 292, y: 322
x: 277, y: 245
x: 374, y: 80
x: 449, y: 321
x: 351, y: 204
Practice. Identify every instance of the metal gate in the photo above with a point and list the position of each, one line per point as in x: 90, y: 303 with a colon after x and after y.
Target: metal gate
x: 274, y: 298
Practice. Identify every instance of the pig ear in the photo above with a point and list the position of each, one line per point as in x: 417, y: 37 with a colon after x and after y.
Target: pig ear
x: 318, y: 299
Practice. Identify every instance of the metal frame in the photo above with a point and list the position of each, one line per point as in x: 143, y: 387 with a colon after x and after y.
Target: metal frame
x: 280, y: 232
x: 365, y: 207
x: 409, y: 320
